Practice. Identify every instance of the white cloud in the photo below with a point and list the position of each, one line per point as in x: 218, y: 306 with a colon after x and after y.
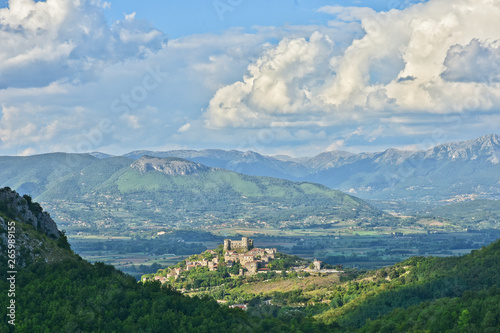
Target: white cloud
x: 280, y: 84
x: 130, y: 17
x: 362, y: 80
x: 32, y: 124
x: 131, y: 120
x: 336, y: 145
x: 475, y: 62
x: 184, y: 128
x: 56, y: 117
x: 28, y: 152
x: 47, y: 41
x: 348, y: 13
x: 396, y: 67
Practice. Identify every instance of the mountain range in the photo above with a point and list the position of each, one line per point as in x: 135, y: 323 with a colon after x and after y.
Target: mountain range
x: 447, y: 172
x: 192, y: 188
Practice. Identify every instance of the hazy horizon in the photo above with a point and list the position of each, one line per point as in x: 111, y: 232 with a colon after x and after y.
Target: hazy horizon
x: 414, y: 148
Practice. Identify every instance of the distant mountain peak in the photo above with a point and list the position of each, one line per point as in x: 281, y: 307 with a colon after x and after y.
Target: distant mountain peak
x: 100, y: 155
x: 487, y: 147
x: 328, y: 159
x: 169, y: 166
x: 490, y: 140
x: 490, y: 137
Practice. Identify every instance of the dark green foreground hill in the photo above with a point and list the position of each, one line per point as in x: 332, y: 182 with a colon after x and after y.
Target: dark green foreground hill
x: 60, y: 292
x: 57, y: 291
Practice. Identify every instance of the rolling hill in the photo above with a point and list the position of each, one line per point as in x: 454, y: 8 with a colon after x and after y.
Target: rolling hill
x: 33, y: 174
x: 119, y: 194
x: 474, y: 214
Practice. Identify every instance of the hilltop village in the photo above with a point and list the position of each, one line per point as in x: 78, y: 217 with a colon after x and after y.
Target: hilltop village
x: 238, y: 258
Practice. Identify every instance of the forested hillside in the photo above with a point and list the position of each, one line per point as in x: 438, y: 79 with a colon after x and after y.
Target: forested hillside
x: 57, y: 291
x: 436, y: 294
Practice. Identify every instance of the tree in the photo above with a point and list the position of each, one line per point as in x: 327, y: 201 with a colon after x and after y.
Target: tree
x: 464, y: 319
x: 489, y: 320
x: 62, y: 242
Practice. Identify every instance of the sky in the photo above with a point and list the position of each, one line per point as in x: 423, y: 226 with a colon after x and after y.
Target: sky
x: 289, y: 77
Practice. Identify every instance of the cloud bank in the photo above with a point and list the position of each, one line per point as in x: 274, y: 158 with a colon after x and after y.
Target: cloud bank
x: 430, y: 58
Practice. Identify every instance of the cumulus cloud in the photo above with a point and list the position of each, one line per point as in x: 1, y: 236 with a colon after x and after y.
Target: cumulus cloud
x: 47, y: 41
x: 475, y: 62
x: 27, y: 123
x: 280, y: 84
x: 179, y: 78
x: 406, y: 61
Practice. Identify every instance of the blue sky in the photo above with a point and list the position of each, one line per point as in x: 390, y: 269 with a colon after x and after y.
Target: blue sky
x: 181, y: 18
x: 287, y: 76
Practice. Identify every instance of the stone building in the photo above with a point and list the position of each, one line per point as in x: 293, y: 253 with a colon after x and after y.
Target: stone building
x: 244, y: 245
x: 246, y: 258
x: 317, y: 264
x: 252, y: 267
x: 257, y: 252
x: 162, y: 279
x: 212, y: 266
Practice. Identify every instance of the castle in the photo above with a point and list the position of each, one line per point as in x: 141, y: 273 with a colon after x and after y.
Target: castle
x: 248, y: 256
x: 245, y: 244
x: 255, y: 260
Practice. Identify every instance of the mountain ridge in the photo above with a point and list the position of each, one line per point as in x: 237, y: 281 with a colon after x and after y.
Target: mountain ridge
x: 168, y: 166
x: 422, y: 175
x: 453, y: 171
